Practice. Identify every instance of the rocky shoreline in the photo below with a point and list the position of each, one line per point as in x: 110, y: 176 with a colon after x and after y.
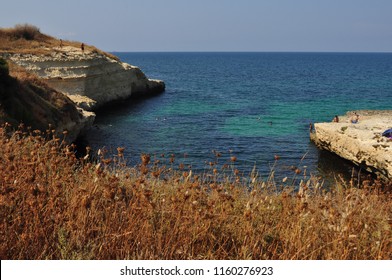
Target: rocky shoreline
x: 90, y: 78
x: 361, y: 143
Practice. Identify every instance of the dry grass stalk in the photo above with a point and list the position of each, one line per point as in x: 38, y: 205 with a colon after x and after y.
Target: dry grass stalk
x: 55, y: 206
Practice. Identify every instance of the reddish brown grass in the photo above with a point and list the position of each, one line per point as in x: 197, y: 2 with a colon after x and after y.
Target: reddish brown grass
x: 27, y: 39
x: 55, y: 206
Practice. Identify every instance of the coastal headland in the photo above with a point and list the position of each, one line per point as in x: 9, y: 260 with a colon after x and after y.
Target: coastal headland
x: 88, y: 78
x: 362, y: 142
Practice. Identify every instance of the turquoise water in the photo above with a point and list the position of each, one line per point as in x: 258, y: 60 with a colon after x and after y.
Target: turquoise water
x: 251, y: 105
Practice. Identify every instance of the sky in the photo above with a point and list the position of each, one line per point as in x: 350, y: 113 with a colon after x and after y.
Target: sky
x: 211, y: 25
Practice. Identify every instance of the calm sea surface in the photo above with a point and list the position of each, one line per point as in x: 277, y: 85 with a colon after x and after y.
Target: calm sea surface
x: 250, y: 105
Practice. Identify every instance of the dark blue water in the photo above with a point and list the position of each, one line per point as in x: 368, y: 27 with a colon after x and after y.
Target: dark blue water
x: 251, y: 105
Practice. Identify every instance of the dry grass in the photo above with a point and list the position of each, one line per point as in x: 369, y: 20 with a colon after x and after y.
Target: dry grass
x: 27, y: 39
x: 24, y: 96
x: 24, y: 39
x: 55, y: 206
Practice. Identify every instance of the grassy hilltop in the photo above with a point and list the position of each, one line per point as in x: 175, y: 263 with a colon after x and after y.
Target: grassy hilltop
x: 28, y: 39
x: 24, y: 38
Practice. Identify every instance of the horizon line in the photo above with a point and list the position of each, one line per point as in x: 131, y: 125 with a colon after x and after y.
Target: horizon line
x: 204, y: 51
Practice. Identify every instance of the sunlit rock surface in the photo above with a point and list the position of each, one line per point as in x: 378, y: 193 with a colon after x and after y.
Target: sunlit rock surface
x: 90, y: 78
x: 361, y: 143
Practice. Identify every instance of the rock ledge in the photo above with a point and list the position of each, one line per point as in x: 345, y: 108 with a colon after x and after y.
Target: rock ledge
x: 89, y: 78
x: 361, y: 143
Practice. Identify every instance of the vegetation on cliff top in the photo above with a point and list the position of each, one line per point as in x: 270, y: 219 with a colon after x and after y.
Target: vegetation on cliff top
x: 25, y: 38
x: 28, y: 39
x: 56, y: 206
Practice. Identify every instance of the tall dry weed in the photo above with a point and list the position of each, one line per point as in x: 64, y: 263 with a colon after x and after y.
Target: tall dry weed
x: 56, y: 206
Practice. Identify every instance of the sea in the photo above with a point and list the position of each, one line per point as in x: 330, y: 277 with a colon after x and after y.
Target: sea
x: 254, y: 108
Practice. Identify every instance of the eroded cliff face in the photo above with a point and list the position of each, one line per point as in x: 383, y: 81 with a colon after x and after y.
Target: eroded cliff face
x: 26, y: 99
x: 91, y: 79
x: 362, y: 143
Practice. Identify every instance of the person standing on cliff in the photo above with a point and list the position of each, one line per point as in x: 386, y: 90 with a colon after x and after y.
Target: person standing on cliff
x: 82, y: 47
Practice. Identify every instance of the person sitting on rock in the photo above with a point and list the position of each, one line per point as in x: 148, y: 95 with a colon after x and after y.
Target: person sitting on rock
x: 311, y: 128
x: 335, y: 119
x: 355, y: 118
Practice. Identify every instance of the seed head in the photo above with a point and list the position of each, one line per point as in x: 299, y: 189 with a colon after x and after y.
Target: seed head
x: 145, y: 159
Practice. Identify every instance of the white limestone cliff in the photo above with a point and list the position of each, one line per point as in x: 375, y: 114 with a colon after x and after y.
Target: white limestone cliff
x: 77, y: 127
x: 361, y: 143
x: 90, y: 78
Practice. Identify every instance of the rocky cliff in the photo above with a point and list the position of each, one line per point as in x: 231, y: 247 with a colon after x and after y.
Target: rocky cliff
x: 48, y: 74
x: 90, y: 78
x: 362, y: 143
x: 26, y: 99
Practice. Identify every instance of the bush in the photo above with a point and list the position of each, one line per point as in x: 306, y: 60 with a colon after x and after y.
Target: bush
x: 4, y: 70
x: 26, y: 31
x: 4, y: 79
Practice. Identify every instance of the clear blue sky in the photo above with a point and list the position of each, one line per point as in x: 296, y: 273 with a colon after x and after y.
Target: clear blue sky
x: 211, y: 25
